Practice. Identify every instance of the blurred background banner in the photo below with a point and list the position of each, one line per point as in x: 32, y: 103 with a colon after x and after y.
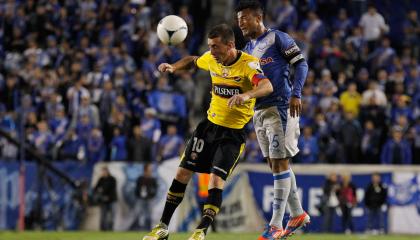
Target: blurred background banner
x: 49, y: 203
x: 247, y: 199
x: 404, y: 198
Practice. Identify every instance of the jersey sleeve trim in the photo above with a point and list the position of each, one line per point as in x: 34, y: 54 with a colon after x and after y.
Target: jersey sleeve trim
x: 257, y: 78
x: 296, y: 59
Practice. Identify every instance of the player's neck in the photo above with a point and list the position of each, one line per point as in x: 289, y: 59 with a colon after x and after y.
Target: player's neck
x: 261, y: 30
x: 233, y: 57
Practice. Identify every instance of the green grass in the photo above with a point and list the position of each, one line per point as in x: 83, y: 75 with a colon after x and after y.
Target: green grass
x: 183, y: 236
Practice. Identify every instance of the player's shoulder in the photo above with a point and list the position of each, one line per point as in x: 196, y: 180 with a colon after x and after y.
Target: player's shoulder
x: 247, y: 57
x: 250, y: 62
x: 280, y: 34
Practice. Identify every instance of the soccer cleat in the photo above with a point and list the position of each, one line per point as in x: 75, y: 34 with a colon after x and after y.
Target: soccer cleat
x: 159, y: 232
x: 294, y: 224
x: 270, y: 232
x: 198, y: 235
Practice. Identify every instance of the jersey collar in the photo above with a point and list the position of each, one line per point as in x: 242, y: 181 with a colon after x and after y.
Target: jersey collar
x: 253, y: 43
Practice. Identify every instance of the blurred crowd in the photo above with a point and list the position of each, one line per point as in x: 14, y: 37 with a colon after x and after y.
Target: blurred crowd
x: 78, y: 79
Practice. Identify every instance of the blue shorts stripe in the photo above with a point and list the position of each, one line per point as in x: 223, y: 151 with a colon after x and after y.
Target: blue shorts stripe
x: 283, y: 118
x: 281, y: 176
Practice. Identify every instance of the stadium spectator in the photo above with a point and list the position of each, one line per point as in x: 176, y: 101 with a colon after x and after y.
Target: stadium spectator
x: 382, y: 56
x: 329, y: 202
x: 313, y: 27
x: 72, y: 147
x: 334, y: 117
x: 95, y: 148
x: 370, y: 143
x: 106, y: 99
x: 105, y: 194
x: 342, y: 23
x: 350, y: 100
x: 411, y: 28
x: 42, y: 139
x: 308, y: 145
x: 59, y: 123
x: 151, y: 126
x: 349, y: 137
x: 415, y: 138
x: 373, y: 25
x: 139, y: 147
x: 90, y: 110
x: 170, y: 145
x: 375, y: 199
x: 285, y: 16
x: 118, y: 146
x: 348, y: 200
x: 374, y: 95
x: 396, y: 149
x: 146, y: 190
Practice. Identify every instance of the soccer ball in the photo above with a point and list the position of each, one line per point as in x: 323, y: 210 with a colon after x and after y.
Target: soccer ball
x: 172, y: 30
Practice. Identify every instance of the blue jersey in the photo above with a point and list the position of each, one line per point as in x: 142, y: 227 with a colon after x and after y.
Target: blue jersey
x: 277, y: 51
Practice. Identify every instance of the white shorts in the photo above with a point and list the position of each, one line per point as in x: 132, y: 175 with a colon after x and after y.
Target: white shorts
x: 277, y: 132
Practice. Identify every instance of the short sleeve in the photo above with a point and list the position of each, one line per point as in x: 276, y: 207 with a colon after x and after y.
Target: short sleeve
x: 202, y: 62
x: 254, y: 72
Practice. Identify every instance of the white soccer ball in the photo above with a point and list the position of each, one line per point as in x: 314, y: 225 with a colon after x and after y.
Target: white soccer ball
x: 172, y: 30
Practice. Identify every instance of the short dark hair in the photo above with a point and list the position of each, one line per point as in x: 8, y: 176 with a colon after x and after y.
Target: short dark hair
x: 250, y: 4
x: 223, y: 31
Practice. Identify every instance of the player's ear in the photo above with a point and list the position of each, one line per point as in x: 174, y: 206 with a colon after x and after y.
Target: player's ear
x: 259, y: 17
x: 231, y: 44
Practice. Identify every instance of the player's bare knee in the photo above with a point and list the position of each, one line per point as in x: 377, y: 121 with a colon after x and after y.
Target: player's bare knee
x: 216, y: 182
x: 183, y: 175
x: 279, y: 165
x: 268, y: 161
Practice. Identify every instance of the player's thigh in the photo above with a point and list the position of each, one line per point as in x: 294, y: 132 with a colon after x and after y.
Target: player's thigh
x: 282, y: 132
x: 198, y: 153
x: 227, y: 153
x: 292, y: 135
x: 261, y: 132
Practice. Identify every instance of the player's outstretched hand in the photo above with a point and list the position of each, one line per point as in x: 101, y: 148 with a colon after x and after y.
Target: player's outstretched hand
x: 238, y: 99
x: 166, y: 67
x: 295, y: 107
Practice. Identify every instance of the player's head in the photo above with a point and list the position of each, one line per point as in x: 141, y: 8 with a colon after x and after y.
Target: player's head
x: 221, y: 41
x: 250, y: 17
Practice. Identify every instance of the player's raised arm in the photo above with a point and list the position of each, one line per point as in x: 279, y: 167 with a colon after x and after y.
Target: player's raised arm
x: 185, y: 63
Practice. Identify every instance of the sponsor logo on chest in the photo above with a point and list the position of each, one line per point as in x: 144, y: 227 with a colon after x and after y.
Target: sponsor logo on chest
x: 226, y: 91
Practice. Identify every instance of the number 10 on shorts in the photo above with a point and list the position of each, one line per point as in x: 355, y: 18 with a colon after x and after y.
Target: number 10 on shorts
x: 198, y: 145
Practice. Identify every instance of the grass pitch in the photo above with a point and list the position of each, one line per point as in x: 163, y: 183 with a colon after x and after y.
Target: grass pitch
x: 184, y: 236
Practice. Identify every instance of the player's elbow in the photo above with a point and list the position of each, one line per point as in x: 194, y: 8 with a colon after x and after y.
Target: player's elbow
x: 268, y: 87
x: 301, y: 64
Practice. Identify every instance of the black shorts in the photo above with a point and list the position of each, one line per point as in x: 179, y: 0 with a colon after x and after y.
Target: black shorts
x: 213, y: 149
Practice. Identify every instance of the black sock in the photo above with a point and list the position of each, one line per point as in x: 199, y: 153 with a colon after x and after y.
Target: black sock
x: 173, y: 199
x: 211, y: 208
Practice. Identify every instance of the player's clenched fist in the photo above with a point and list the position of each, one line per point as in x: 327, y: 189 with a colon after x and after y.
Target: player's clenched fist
x: 166, y: 67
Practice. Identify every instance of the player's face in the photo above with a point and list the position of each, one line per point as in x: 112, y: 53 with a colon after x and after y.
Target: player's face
x: 248, y: 21
x: 219, y: 50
